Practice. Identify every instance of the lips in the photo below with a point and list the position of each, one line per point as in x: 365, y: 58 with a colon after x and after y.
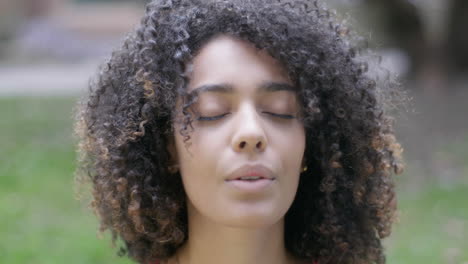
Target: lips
x: 251, y: 171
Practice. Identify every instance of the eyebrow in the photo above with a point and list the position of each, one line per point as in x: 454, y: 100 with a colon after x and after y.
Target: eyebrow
x: 228, y: 88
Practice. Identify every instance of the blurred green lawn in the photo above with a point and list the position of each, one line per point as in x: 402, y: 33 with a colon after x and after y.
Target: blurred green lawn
x: 42, y: 222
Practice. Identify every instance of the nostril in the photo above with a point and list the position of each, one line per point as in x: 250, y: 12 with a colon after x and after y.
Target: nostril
x: 259, y: 144
x: 242, y: 144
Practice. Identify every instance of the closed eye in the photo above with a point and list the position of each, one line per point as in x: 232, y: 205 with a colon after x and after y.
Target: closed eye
x: 213, y: 118
x: 280, y: 115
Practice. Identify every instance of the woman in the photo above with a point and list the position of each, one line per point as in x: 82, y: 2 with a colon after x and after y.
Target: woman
x: 240, y: 132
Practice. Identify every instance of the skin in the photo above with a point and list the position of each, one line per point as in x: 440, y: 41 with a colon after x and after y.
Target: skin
x: 227, y: 225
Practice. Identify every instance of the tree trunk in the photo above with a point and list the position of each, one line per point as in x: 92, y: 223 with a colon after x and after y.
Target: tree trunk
x: 457, y: 39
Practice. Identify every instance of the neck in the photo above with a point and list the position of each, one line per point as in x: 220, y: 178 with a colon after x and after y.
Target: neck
x: 211, y: 242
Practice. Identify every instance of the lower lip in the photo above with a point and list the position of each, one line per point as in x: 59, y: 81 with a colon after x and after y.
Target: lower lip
x: 251, y: 186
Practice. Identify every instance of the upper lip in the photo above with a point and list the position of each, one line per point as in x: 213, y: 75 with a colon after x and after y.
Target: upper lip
x: 251, y: 170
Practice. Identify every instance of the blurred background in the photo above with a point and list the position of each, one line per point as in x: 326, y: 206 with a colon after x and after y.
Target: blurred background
x: 50, y: 48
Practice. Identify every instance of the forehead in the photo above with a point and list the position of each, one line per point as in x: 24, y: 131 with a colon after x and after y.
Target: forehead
x: 228, y: 60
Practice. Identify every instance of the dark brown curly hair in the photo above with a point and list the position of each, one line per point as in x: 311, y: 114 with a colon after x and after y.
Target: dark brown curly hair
x: 345, y: 203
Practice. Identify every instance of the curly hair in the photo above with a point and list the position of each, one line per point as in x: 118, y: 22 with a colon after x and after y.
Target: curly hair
x: 345, y: 203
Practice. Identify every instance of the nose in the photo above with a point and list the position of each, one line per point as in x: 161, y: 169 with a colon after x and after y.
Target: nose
x: 249, y: 134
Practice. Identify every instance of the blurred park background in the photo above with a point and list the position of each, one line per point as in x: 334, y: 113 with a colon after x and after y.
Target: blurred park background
x: 50, y: 48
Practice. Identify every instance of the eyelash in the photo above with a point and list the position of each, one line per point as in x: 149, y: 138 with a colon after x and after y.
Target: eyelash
x: 212, y: 118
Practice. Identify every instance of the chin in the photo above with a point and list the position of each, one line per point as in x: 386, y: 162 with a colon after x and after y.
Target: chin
x: 250, y: 223
x: 251, y: 217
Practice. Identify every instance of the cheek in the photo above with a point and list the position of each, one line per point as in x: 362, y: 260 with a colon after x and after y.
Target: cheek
x: 293, y: 151
x: 200, y: 173
x: 290, y: 143
x: 198, y: 157
x: 204, y: 146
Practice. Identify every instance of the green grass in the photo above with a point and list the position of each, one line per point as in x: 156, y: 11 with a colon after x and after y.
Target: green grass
x: 433, y: 227
x: 42, y: 222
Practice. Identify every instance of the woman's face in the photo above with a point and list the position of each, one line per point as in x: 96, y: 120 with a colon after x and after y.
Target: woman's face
x: 246, y: 124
